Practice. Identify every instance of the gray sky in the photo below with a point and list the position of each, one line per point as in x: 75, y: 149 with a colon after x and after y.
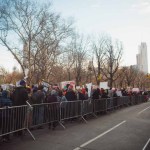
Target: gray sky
x: 126, y: 20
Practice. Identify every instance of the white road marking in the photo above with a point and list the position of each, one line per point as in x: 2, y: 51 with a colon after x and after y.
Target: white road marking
x: 143, y: 110
x: 99, y: 136
x: 146, y: 144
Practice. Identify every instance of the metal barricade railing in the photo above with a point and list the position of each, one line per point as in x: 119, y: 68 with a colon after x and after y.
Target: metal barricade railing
x: 133, y: 100
x: 144, y: 98
x: 45, y: 113
x: 119, y: 102
x: 115, y: 102
x: 126, y: 100
x: 87, y: 107
x: 110, y: 104
x: 137, y: 99
x: 123, y: 101
x: 100, y: 105
x: 19, y: 118
x: 70, y: 110
x: 14, y: 119
x: 141, y: 98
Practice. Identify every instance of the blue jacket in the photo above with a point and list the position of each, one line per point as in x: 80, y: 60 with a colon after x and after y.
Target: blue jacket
x: 4, y: 100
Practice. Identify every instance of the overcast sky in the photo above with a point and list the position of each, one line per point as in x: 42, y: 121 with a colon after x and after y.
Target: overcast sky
x: 126, y: 20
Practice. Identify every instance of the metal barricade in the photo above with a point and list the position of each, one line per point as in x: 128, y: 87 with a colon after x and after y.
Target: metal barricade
x: 144, y: 98
x: 120, y: 101
x: 126, y: 100
x: 100, y: 105
x: 14, y: 119
x: 70, y: 110
x: 45, y: 113
x: 87, y: 107
x: 136, y: 99
x: 140, y: 98
x: 133, y: 100
x: 110, y: 104
x: 115, y: 102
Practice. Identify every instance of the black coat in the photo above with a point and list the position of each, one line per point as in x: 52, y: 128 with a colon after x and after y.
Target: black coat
x: 20, y: 96
x: 71, y: 96
x: 96, y: 94
x: 81, y: 96
x: 38, y: 97
x: 52, y: 99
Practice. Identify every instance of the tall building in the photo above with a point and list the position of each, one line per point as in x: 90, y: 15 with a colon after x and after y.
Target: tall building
x: 142, y: 59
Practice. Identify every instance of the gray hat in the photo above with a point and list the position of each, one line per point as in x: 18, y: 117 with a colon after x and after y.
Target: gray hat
x: 53, y: 92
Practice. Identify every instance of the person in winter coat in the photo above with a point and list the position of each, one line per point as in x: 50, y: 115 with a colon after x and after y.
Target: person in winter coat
x: 19, y: 97
x: 20, y: 94
x: 80, y: 95
x: 53, y: 109
x: 70, y: 94
x: 96, y: 94
x: 38, y: 97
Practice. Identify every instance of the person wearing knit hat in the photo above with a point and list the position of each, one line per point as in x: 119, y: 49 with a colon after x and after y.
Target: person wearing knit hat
x: 23, y: 83
x: 19, y: 97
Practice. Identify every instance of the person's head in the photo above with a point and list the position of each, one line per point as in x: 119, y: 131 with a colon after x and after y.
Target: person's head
x: 70, y: 88
x: 40, y: 87
x: 35, y: 89
x: 23, y: 83
x: 53, y: 92
x: 79, y: 90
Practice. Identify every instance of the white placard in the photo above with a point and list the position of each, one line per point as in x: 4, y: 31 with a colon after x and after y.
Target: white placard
x: 103, y: 85
x: 89, y: 86
x: 18, y: 83
x: 119, y: 93
x: 78, y: 87
x: 135, y: 90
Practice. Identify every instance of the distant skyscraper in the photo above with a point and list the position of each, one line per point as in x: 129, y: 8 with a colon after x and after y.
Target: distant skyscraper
x: 141, y: 58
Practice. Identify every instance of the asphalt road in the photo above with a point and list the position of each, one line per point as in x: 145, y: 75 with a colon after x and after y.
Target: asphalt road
x: 124, y: 129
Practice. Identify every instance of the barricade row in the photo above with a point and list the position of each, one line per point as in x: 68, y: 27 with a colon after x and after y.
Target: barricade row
x: 13, y: 119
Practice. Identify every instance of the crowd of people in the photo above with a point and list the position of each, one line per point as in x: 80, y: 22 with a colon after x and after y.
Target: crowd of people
x: 37, y: 95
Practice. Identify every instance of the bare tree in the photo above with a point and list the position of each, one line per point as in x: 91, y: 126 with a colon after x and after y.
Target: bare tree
x: 37, y: 35
x: 69, y: 60
x: 3, y: 74
x: 120, y: 81
x: 99, y: 49
x: 141, y: 80
x: 80, y: 50
x: 111, y: 61
x: 130, y: 74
